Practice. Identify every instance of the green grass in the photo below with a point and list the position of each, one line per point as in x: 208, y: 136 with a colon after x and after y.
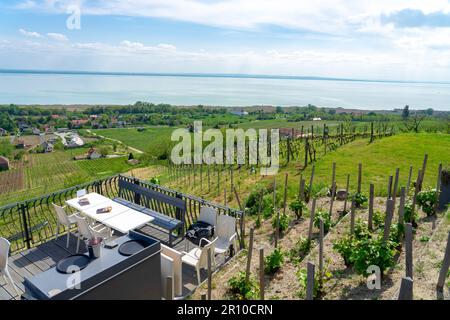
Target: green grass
x: 100, y: 168
x: 154, y: 140
x: 381, y: 158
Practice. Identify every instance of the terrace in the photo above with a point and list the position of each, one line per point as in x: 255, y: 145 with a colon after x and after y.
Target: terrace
x: 30, y: 227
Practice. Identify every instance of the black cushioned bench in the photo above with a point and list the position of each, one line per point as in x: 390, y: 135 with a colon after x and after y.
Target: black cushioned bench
x: 140, y: 198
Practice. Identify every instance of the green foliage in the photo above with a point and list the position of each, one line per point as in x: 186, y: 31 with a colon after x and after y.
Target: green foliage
x: 360, y: 199
x: 302, y: 277
x: 298, y: 207
x: 378, y: 219
x: 284, y: 221
x: 325, y: 216
x: 345, y: 247
x: 408, y: 212
x: 396, y: 233
x: 274, y: 261
x: 155, y: 180
x: 300, y: 249
x: 424, y: 238
x: 427, y: 200
x: 373, y: 251
x: 243, y: 290
x: 5, y: 148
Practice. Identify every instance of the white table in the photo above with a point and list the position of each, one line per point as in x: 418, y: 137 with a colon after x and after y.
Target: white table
x: 120, y: 218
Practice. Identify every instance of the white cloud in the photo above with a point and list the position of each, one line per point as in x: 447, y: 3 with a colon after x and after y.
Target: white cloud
x: 329, y: 16
x: 57, y: 36
x: 31, y: 34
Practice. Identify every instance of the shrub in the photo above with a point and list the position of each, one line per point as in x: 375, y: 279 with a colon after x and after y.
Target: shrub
x: 300, y: 249
x: 378, y: 219
x: 243, y: 290
x: 326, y: 218
x: 298, y: 206
x: 361, y: 230
x: 373, y: 251
x: 154, y: 180
x: 274, y: 261
x: 284, y: 221
x: 396, y: 233
x: 427, y: 200
x: 345, y: 247
x: 360, y: 199
x: 408, y: 213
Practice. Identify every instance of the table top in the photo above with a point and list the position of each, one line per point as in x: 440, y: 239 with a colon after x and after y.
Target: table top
x: 120, y: 218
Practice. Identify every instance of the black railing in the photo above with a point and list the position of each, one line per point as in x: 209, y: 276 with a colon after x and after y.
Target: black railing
x: 28, y: 223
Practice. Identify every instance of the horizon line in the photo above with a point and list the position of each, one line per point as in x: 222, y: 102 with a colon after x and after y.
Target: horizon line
x: 206, y: 75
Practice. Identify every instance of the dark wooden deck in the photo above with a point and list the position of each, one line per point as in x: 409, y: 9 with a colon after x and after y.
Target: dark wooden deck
x: 44, y: 256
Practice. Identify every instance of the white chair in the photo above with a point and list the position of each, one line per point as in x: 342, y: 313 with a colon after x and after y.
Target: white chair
x: 198, y: 257
x: 4, y: 253
x: 226, y: 234
x: 85, y: 231
x: 81, y: 193
x: 65, y: 220
x: 167, y: 270
x: 177, y: 268
x: 208, y: 215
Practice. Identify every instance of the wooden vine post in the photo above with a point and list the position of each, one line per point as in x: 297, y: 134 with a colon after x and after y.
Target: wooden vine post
x: 261, y: 274
x: 388, y: 219
x: 445, y: 266
x: 371, y: 198
x: 406, y: 289
x: 394, y: 192
x: 310, y: 281
x: 347, y: 186
x: 359, y: 176
x: 424, y: 166
x: 401, y: 207
x: 243, y: 218
x: 438, y: 187
x: 352, y: 216
x: 209, y: 273
x: 311, y: 219
x: 321, y: 236
x: 408, y: 250
x: 311, y: 180
x: 249, y: 257
x: 408, y: 184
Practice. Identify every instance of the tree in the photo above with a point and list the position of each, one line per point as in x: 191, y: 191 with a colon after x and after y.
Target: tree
x: 413, y: 123
x: 429, y: 111
x: 405, y: 113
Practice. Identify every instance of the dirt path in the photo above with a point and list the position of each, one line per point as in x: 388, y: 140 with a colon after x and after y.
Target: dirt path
x: 111, y: 139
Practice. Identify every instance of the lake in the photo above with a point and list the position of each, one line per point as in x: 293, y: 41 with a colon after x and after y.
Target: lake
x: 72, y: 88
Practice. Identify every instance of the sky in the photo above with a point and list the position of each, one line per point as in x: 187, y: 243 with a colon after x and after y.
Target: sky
x: 405, y: 40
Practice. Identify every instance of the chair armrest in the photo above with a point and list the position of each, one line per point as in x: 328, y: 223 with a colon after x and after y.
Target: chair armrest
x: 232, y: 237
x: 200, y: 242
x: 188, y: 254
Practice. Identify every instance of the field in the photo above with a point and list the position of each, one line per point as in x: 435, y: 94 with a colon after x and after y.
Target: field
x: 39, y: 174
x: 153, y: 140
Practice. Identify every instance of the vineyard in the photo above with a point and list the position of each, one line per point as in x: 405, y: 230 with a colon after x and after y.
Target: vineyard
x: 321, y: 228
x: 38, y: 174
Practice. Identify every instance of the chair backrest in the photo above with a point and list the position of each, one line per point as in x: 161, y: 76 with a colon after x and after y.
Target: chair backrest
x: 81, y: 193
x: 177, y: 268
x: 208, y: 215
x: 167, y: 270
x: 160, y: 202
x: 4, y: 253
x: 226, y: 226
x: 203, y: 259
x: 83, y: 227
x: 61, y: 215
